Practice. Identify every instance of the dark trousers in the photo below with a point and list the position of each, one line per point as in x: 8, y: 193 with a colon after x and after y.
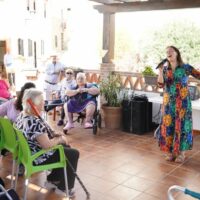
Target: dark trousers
x: 58, y: 174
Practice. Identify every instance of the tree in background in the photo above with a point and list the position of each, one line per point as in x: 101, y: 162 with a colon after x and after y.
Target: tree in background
x: 124, y: 50
x: 152, y: 46
x: 183, y: 35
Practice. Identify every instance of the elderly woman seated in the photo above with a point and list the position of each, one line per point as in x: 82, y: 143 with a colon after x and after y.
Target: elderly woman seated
x: 39, y: 137
x: 82, y: 97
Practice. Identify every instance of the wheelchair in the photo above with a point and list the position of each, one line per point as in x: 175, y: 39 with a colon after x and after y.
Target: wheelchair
x: 96, y: 121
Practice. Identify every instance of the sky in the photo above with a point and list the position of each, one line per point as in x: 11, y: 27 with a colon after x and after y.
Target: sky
x: 139, y: 22
x: 85, y: 25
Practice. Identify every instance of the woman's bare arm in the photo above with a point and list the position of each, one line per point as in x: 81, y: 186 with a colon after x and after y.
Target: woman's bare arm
x: 47, y: 143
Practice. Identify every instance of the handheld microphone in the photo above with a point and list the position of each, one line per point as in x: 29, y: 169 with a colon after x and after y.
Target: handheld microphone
x: 161, y: 63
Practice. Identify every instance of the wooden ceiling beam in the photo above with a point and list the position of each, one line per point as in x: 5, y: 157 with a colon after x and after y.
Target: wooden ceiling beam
x: 110, y: 2
x: 147, y: 6
x: 107, y: 2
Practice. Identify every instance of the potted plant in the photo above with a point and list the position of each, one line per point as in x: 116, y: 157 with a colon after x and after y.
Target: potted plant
x: 110, y: 88
x: 150, y: 76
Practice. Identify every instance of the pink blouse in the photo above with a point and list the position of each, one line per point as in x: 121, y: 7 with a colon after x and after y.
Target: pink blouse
x: 4, y: 89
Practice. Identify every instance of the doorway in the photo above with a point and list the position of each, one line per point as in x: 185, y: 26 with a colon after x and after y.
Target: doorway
x: 35, y: 55
x: 2, y: 49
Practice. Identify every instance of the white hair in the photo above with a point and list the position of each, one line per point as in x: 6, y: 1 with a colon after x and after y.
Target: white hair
x: 81, y: 75
x: 35, y: 95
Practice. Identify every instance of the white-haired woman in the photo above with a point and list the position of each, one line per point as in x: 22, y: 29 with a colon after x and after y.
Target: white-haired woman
x: 38, y: 138
x: 82, y: 97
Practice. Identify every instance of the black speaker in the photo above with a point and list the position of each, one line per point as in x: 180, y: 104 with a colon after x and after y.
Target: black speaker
x: 137, y: 115
x: 126, y: 116
x: 142, y: 117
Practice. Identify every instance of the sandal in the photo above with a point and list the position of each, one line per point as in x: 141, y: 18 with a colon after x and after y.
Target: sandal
x: 180, y: 159
x: 88, y: 125
x: 169, y: 157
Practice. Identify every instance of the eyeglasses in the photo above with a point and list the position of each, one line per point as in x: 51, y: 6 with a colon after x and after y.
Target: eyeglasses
x: 69, y: 73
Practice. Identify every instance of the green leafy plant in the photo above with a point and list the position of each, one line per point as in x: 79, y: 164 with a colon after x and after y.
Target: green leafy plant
x: 148, y: 71
x: 110, y: 88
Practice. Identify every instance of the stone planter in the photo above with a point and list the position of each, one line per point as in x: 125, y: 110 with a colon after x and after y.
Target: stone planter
x: 112, y: 117
x: 151, y: 80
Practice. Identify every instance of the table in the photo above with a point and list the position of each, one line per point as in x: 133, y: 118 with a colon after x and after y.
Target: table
x: 157, y: 100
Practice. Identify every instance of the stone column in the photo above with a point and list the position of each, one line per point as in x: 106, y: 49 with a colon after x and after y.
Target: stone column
x: 108, y: 37
x: 107, y: 64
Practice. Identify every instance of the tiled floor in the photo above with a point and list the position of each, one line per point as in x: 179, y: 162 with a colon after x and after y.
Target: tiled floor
x: 115, y: 165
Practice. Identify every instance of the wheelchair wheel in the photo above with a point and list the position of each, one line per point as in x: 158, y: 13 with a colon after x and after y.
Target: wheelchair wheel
x: 99, y: 120
x: 95, y: 129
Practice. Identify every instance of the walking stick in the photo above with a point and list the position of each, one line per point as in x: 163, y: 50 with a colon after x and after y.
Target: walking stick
x: 51, y: 132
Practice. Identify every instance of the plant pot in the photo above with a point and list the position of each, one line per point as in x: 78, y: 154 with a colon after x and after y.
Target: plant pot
x: 112, y: 117
x: 150, y: 80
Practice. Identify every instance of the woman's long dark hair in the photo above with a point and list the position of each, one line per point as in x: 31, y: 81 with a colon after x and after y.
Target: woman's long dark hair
x: 18, y: 102
x: 179, y: 58
x: 3, y: 71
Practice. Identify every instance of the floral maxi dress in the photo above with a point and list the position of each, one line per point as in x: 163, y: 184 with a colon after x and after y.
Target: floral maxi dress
x: 176, y: 125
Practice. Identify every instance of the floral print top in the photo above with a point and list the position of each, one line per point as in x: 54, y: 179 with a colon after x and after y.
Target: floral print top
x: 176, y: 124
x: 32, y: 127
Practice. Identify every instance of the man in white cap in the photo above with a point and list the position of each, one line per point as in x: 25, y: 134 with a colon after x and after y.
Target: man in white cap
x: 53, y: 73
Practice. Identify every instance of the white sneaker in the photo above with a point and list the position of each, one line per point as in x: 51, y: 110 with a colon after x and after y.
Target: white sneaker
x: 50, y: 185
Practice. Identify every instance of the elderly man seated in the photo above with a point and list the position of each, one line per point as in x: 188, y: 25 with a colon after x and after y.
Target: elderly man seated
x: 82, y: 97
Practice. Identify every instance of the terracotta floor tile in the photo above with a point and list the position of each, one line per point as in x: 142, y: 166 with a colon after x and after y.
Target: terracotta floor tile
x: 131, y: 168
x: 174, y: 180
x: 138, y: 183
x: 122, y: 192
x: 152, y: 174
x: 116, y: 165
x: 144, y: 196
x: 184, y: 173
x: 101, y: 185
x: 158, y: 190
x: 116, y: 177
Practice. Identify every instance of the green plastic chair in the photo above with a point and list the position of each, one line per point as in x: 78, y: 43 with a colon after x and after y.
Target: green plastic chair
x: 25, y: 157
x: 9, y: 142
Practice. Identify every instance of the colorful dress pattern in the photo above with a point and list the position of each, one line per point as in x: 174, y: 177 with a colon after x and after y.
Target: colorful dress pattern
x: 176, y: 126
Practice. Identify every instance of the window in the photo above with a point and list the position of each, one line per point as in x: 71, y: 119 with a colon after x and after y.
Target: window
x: 31, y: 6
x: 30, y: 47
x: 56, y: 41
x: 20, y: 47
x: 34, y: 6
x: 28, y: 5
x: 62, y: 41
x: 45, y: 9
x: 42, y: 47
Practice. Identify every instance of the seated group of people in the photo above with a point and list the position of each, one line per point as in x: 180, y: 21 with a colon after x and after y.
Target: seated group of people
x: 77, y: 95
x: 19, y: 111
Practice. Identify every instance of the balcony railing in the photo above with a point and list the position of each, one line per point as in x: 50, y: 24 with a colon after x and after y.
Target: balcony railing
x: 131, y: 80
